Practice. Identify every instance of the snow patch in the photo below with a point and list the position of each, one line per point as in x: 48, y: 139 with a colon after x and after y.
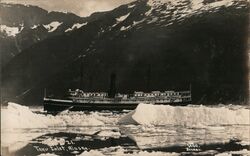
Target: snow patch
x: 153, y: 20
x: 52, y: 26
x: 131, y: 6
x: 197, y: 4
x: 186, y: 116
x: 125, y: 28
x: 122, y: 18
x: 138, y: 22
x: 149, y: 11
x: 221, y: 3
x: 34, y: 26
x: 10, y: 31
x: 183, y: 8
x: 114, y: 25
x: 76, y: 26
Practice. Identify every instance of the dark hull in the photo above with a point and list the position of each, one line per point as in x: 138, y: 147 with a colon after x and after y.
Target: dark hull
x: 57, y: 106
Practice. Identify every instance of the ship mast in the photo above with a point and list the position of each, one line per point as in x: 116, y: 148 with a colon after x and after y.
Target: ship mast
x: 81, y: 71
x: 44, y: 94
x: 148, y: 78
x: 190, y: 89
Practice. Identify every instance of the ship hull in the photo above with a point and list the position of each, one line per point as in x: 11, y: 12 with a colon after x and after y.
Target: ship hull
x: 53, y: 105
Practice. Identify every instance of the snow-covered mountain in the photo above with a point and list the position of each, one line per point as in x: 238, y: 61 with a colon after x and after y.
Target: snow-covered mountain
x: 149, y: 44
x: 22, y: 26
x: 169, y: 12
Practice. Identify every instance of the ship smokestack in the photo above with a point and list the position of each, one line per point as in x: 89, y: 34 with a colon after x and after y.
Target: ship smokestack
x: 148, y: 80
x: 112, y: 88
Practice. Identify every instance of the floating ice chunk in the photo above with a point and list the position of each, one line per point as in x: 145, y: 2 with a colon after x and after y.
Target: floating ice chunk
x: 109, y: 133
x: 121, y: 151
x: 76, y: 26
x: 128, y: 119
x: 10, y: 31
x: 148, y: 114
x: 243, y: 152
x: 47, y: 154
x: 18, y: 116
x: 17, y: 140
x: 52, y: 26
x: 54, y: 142
x: 122, y: 18
x: 244, y: 143
x: 92, y: 153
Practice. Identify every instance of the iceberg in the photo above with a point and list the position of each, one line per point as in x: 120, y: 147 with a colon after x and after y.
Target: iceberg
x: 16, y: 116
x: 149, y: 114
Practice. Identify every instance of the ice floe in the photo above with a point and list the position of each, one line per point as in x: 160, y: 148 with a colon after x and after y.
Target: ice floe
x: 18, y: 116
x: 121, y: 151
x: 109, y: 133
x: 54, y: 142
x: 147, y: 114
x: 243, y: 152
x: 47, y: 154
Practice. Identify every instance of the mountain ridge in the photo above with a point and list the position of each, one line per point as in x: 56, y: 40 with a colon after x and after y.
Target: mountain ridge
x: 22, y: 26
x: 130, y: 41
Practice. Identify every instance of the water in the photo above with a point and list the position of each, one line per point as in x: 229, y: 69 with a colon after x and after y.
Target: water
x: 98, y: 133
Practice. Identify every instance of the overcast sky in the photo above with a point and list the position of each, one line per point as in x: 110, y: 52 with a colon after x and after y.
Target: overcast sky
x: 79, y: 7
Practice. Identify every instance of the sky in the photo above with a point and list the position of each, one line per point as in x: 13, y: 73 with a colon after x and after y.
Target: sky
x: 79, y: 7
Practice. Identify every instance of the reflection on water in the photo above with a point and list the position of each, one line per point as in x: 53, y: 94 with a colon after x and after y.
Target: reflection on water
x: 71, y: 143
x: 158, y: 136
x: 113, y: 139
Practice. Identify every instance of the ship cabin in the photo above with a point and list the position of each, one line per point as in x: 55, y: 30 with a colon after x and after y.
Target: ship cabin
x: 186, y: 96
x: 81, y: 94
x: 121, y: 96
x: 157, y: 94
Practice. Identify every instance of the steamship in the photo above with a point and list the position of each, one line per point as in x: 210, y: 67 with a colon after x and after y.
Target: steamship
x: 79, y: 100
